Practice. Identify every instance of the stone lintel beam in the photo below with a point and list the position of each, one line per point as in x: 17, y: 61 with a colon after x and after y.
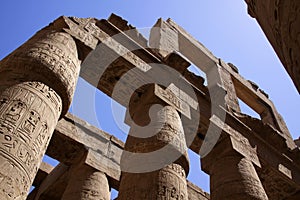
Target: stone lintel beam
x: 121, y: 44
x: 256, y: 95
x: 87, y: 30
x: 256, y: 99
x: 279, y: 19
x: 234, y: 84
x: 196, y: 193
x: 75, y: 138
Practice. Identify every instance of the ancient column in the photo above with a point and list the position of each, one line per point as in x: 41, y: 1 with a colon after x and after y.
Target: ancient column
x: 36, y: 87
x: 86, y: 183
x: 155, y: 163
x: 232, y: 176
x: 279, y: 20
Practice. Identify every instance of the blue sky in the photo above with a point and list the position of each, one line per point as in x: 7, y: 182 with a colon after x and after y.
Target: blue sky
x: 224, y: 27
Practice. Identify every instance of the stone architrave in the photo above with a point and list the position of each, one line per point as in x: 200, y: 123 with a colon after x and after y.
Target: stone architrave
x: 36, y: 87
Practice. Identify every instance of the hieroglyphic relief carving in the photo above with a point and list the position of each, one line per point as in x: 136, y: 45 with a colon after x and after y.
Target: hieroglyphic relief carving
x: 172, y: 183
x: 50, y: 57
x: 28, y: 113
x: 40, y: 78
x: 168, y: 96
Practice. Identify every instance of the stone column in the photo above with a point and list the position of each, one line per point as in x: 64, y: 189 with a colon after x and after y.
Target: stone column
x: 36, y: 87
x: 86, y: 183
x: 232, y: 176
x: 279, y: 20
x: 155, y: 162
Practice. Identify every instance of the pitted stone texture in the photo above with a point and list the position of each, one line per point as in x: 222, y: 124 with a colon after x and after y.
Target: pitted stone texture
x: 28, y: 115
x: 167, y: 183
x: 49, y: 57
x: 87, y: 183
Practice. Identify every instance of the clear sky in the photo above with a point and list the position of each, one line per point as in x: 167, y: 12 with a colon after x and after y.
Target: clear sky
x: 224, y: 27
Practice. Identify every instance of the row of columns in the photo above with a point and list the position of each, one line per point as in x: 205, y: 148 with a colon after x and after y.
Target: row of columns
x: 36, y: 88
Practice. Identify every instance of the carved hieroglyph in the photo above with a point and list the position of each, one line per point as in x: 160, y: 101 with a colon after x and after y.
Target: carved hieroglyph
x: 37, y: 83
x: 159, y: 177
x: 167, y: 183
x: 28, y: 115
x: 49, y: 57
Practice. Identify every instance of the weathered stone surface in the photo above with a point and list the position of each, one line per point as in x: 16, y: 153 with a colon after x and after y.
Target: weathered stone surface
x: 73, y: 138
x: 232, y: 176
x: 114, y: 177
x: 108, y: 161
x: 155, y: 162
x: 159, y: 132
x: 42, y: 173
x: 166, y: 183
x: 53, y: 186
x: 195, y: 192
x: 56, y: 190
x: 49, y: 57
x: 277, y: 187
x: 176, y: 61
x: 280, y: 20
x: 28, y: 115
x: 40, y: 76
x: 37, y: 84
x: 131, y: 31
x: 86, y: 183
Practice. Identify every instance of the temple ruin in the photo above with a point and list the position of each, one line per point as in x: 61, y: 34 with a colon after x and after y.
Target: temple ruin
x: 169, y: 110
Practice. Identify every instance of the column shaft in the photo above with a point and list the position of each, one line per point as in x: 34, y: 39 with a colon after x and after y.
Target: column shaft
x: 36, y: 87
x: 232, y: 176
x: 166, y: 183
x: 27, y: 120
x: 87, y: 183
x: 162, y: 173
